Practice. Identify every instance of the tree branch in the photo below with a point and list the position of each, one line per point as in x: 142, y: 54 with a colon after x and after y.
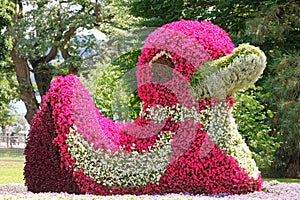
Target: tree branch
x: 67, y: 37
x: 64, y: 50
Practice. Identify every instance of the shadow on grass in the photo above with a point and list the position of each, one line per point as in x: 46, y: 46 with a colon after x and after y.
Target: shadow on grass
x: 11, y: 153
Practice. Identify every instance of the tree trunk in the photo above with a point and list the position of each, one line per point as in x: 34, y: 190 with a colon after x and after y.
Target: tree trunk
x: 293, y: 168
x: 43, y: 80
x: 73, y: 70
x: 27, y: 93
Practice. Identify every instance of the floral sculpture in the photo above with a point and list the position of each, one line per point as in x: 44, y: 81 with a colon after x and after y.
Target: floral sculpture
x: 185, y: 139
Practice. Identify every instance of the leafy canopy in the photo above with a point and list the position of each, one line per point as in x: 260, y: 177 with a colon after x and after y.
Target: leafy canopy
x: 7, y: 81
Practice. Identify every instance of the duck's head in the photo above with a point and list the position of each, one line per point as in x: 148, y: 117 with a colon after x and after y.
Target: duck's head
x: 191, y: 59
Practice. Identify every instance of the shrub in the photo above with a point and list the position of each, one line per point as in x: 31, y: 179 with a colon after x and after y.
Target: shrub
x: 102, y: 84
x: 252, y: 119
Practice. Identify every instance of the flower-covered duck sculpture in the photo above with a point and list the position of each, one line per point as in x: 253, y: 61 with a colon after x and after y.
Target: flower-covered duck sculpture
x: 185, y: 139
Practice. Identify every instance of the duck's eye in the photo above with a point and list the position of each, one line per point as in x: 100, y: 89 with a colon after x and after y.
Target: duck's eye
x: 164, y: 60
x: 161, y: 69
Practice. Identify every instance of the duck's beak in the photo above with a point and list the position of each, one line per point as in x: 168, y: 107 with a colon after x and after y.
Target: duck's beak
x: 227, y: 75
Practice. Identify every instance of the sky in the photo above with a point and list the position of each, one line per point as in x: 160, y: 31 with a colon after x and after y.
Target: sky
x: 20, y: 107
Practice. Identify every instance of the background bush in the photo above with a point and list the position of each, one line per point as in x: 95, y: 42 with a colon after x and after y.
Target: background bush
x: 252, y: 118
x: 105, y: 80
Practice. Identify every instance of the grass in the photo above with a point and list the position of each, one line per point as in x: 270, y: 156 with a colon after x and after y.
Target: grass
x: 11, y: 165
x: 11, y: 171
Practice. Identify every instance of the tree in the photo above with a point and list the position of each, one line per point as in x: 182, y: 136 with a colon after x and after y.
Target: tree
x: 39, y: 35
x: 285, y: 101
x: 7, y: 81
x: 276, y: 28
x: 46, y: 40
x: 231, y: 15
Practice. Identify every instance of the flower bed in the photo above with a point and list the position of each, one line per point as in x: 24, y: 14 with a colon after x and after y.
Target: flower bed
x: 185, y: 139
x: 272, y: 190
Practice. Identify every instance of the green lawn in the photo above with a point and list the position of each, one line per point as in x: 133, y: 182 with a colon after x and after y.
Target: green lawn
x: 11, y: 171
x: 11, y: 165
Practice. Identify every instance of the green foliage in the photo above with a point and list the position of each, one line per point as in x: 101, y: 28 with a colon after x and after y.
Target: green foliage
x: 205, y: 70
x: 116, y: 13
x: 284, y: 99
x: 56, y: 25
x: 7, y: 94
x: 276, y: 29
x: 231, y: 15
x: 6, y: 13
x: 105, y: 82
x: 156, y: 12
x: 101, y: 86
x: 49, y: 27
x: 252, y: 117
x: 7, y: 80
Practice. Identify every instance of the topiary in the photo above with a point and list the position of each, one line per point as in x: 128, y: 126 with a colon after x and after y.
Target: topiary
x: 185, y: 139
